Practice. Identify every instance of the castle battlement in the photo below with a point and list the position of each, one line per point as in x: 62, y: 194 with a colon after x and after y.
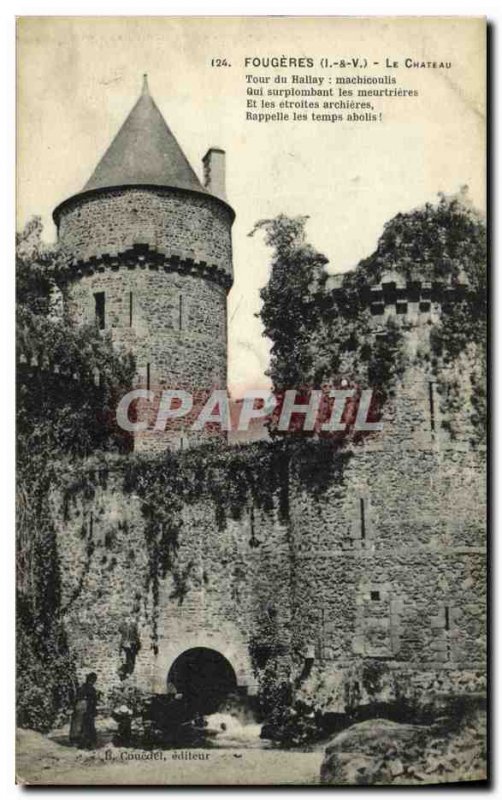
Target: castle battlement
x: 36, y: 362
x: 142, y: 255
x: 396, y: 295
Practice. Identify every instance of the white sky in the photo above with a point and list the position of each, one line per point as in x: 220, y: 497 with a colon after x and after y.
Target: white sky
x: 79, y: 78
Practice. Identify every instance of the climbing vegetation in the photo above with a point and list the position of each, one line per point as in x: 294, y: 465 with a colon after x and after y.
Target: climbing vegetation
x: 63, y: 411
x: 322, y: 335
x: 233, y: 481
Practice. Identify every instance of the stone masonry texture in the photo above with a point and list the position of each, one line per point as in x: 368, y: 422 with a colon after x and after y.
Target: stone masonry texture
x: 163, y: 260
x: 409, y: 593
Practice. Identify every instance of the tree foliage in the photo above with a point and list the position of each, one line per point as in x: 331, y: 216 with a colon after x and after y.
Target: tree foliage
x: 320, y: 336
x: 62, y: 411
x: 439, y: 241
x: 291, y: 311
x: 69, y: 378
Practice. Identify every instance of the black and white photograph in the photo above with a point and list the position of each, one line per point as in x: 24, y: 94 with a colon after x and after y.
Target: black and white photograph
x: 251, y: 398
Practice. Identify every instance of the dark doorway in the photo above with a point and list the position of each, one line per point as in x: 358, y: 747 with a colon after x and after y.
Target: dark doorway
x: 204, y: 677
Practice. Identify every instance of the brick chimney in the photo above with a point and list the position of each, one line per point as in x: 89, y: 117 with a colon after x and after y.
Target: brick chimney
x: 214, y: 172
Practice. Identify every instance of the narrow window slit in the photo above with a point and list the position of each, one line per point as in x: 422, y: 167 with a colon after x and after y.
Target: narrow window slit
x: 447, y: 626
x: 99, y: 309
x: 363, y: 518
x: 431, y: 406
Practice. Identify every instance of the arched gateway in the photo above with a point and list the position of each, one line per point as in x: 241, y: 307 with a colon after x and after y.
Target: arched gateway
x: 227, y: 643
x: 204, y: 677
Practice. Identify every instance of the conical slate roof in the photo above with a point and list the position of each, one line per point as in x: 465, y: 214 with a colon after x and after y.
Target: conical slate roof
x: 144, y: 151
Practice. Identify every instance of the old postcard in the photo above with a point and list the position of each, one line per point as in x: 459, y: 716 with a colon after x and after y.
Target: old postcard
x: 251, y: 396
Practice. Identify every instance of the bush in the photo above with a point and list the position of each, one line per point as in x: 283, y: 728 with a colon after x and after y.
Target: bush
x: 46, y: 679
x: 61, y: 412
x: 128, y: 695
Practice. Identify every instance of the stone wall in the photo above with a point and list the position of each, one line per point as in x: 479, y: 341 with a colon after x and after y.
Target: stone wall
x: 160, y: 261
x: 394, y: 574
x: 215, y: 596
x: 380, y: 560
x: 178, y: 334
x: 171, y: 221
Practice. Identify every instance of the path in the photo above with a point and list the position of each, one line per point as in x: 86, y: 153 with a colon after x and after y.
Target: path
x: 42, y: 761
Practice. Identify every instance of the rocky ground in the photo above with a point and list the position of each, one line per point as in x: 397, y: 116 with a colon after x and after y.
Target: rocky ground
x: 374, y: 752
x: 381, y: 752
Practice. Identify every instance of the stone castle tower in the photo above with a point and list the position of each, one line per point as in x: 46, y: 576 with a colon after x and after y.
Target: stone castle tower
x: 151, y: 253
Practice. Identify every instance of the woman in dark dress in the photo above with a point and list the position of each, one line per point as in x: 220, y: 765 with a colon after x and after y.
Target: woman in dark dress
x: 82, y: 728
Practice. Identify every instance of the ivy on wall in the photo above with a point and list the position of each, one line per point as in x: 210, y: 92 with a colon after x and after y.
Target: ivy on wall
x: 460, y: 338
x: 232, y: 480
x: 319, y: 336
x: 61, y: 414
x: 46, y: 672
x: 446, y: 242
